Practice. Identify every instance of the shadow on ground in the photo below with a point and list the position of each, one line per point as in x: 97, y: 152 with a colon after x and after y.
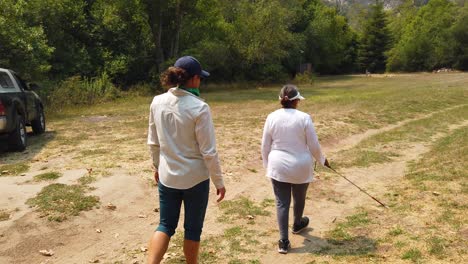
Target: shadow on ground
x: 358, y: 245
x: 35, y: 144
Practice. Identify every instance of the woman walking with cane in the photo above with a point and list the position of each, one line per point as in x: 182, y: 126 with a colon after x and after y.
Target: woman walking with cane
x: 183, y: 149
x: 289, y: 146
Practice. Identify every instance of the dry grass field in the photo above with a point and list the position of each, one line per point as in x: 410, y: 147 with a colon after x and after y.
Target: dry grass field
x: 84, y: 189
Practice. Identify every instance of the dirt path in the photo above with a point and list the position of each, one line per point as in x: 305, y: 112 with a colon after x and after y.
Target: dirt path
x: 126, y: 230
x: 353, y: 140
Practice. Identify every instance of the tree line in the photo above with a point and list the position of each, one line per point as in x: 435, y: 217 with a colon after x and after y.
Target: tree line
x: 132, y: 41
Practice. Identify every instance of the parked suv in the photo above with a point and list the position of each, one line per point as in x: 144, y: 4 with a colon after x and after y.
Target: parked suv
x: 20, y: 106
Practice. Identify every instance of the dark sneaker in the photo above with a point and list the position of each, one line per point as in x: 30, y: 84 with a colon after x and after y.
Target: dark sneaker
x: 283, y: 246
x: 304, y: 223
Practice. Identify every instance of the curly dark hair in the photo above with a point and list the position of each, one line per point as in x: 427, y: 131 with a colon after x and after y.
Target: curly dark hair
x: 174, y: 76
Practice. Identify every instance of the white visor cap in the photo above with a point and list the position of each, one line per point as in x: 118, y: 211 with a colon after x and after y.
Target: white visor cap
x: 298, y: 96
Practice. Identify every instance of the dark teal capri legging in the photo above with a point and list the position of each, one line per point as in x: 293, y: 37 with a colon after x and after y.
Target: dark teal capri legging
x: 195, y: 202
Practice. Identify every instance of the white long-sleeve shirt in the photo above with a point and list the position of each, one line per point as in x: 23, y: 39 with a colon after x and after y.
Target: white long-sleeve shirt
x: 182, y: 141
x: 289, y: 145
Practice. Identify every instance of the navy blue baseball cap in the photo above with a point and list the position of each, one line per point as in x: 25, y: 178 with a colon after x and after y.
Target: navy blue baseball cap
x: 192, y: 66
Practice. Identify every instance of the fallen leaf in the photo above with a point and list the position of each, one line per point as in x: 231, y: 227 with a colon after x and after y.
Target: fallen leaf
x: 156, y: 210
x: 143, y: 249
x: 436, y: 193
x: 250, y: 217
x: 142, y: 216
x: 47, y: 253
x: 94, y: 261
x: 98, y: 230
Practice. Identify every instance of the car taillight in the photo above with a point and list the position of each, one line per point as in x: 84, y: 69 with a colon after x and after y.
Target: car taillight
x: 2, y: 109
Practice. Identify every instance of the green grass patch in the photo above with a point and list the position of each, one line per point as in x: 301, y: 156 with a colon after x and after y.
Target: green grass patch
x: 342, y: 230
x: 400, y: 244
x: 87, y: 179
x: 339, y: 233
x: 13, y: 169
x: 413, y: 254
x: 268, y: 202
x: 396, y: 231
x: 358, y: 219
x: 240, y: 209
x: 239, y: 240
x: 437, y: 246
x: 48, y: 176
x: 59, y: 201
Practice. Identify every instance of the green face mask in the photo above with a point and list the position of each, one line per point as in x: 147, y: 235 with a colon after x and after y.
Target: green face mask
x: 194, y: 91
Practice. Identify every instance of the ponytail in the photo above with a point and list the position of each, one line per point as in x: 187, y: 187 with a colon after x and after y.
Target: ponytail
x: 288, y: 91
x: 174, y: 76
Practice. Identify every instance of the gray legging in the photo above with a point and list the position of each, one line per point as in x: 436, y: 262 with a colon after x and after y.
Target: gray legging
x: 283, y: 200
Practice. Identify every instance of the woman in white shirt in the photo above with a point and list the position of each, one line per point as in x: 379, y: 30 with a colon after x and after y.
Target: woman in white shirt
x: 182, y: 144
x: 289, y: 147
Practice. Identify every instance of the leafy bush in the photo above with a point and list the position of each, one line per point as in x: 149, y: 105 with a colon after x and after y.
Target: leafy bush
x: 304, y: 78
x: 82, y: 91
x: 144, y: 89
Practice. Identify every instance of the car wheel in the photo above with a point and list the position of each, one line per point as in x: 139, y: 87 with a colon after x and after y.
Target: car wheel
x: 39, y: 125
x: 18, y: 137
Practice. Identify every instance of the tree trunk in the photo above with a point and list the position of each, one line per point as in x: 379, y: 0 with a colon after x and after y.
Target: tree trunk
x: 178, y: 26
x: 154, y: 9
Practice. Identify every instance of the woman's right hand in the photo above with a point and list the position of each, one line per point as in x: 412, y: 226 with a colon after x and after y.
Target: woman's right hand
x: 221, y: 192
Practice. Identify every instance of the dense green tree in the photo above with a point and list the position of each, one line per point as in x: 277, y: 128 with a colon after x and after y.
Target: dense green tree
x: 329, y: 42
x: 205, y: 33
x: 401, y: 16
x: 460, y: 36
x: 23, y: 47
x: 132, y: 41
x: 124, y: 39
x: 427, y: 42
x: 261, y: 37
x: 374, y: 41
x: 68, y: 26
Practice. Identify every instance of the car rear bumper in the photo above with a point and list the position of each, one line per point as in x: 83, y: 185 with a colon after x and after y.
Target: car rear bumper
x: 3, y: 123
